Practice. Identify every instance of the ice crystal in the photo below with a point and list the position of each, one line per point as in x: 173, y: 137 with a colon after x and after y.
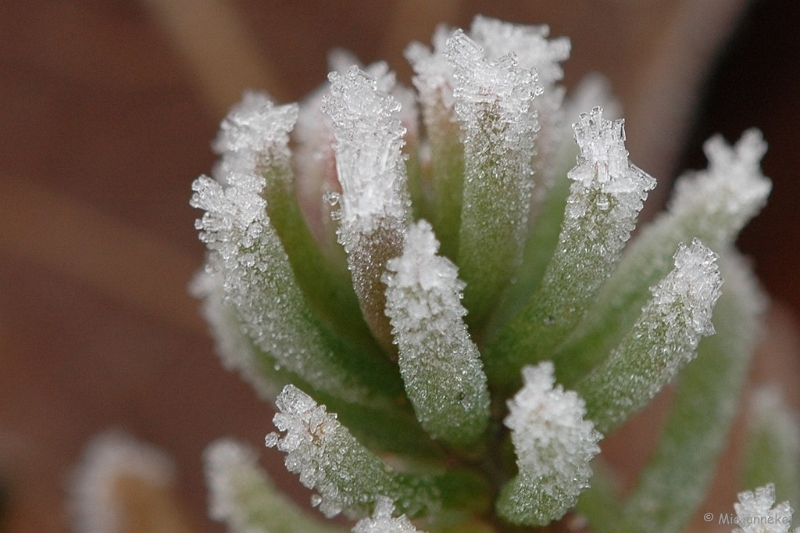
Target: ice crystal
x: 554, y: 445
x: 755, y: 512
x: 440, y: 364
x: 382, y: 521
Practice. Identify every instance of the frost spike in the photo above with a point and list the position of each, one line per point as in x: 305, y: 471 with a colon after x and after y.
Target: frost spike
x: 374, y: 204
x: 439, y: 363
x: 711, y: 205
x: 662, y: 341
x: 494, y: 105
x: 676, y: 479
x: 605, y: 198
x: 553, y: 443
x: 243, y: 497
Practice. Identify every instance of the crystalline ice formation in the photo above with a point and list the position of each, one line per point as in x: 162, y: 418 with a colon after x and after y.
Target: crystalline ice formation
x: 755, y: 512
x: 382, y: 521
x: 554, y: 445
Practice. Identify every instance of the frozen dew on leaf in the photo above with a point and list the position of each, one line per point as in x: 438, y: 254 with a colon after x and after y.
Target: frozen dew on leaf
x: 661, y: 342
x: 553, y: 443
x: 347, y: 476
x: 374, y: 204
x: 494, y: 106
x: 440, y: 365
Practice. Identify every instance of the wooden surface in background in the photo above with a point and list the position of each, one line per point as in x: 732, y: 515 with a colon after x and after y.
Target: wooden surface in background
x: 103, y: 129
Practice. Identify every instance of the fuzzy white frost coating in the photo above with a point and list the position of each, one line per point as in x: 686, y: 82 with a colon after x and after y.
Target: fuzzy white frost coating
x: 440, y: 365
x: 554, y: 445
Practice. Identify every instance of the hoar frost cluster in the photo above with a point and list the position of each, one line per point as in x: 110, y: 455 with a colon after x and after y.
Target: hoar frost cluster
x: 440, y: 283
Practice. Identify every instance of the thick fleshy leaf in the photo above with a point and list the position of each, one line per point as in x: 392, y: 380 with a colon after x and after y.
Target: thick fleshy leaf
x: 677, y: 477
x: 374, y: 205
x: 553, y: 443
x: 493, y: 102
x: 711, y: 205
x: 662, y: 341
x: 242, y: 495
x: 605, y: 198
x: 772, y: 454
x: 440, y: 365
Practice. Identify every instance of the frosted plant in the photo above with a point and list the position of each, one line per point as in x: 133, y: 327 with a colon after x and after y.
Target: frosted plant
x: 453, y: 353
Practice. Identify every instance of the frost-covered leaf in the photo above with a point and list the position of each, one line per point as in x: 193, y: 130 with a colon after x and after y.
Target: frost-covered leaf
x: 662, y: 341
x: 605, y: 198
x: 383, y: 522
x: 433, y: 78
x: 755, y: 512
x: 676, y: 479
x: 553, y: 443
x: 374, y: 204
x: 243, y: 497
x: 260, y: 285
x: 345, y: 474
x: 494, y: 99
x: 711, y: 205
x: 440, y: 364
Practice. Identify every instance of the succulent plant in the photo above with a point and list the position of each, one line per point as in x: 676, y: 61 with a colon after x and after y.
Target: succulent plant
x: 437, y: 291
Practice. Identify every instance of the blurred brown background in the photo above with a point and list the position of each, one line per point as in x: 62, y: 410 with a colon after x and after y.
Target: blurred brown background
x: 107, y: 109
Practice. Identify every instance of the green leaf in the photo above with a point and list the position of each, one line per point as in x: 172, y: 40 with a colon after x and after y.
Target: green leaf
x: 662, y: 341
x: 772, y: 454
x: 675, y: 481
x: 242, y: 495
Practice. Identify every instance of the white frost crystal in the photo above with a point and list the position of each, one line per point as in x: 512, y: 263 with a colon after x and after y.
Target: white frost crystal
x: 440, y: 364
x: 554, y: 445
x: 382, y: 521
x: 347, y: 476
x: 755, y: 512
